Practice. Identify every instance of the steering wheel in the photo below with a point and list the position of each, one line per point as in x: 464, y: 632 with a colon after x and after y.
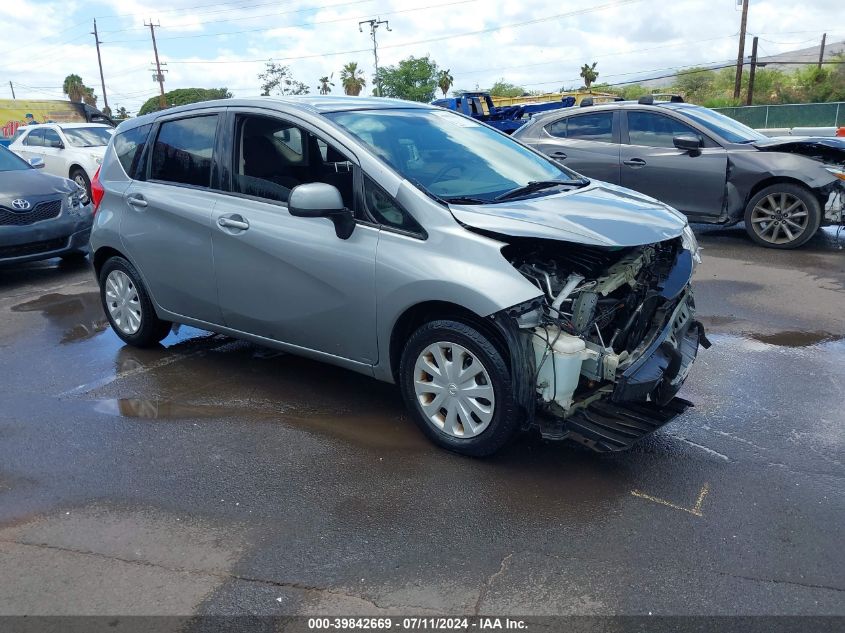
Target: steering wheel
x: 446, y: 169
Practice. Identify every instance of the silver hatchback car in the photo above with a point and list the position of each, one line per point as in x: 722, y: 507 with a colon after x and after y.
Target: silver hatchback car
x: 501, y: 291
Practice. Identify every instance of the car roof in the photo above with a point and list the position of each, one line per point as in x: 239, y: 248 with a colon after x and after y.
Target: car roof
x: 313, y: 104
x: 615, y: 105
x: 63, y: 126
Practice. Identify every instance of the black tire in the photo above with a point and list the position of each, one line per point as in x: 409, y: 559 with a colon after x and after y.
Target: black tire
x: 152, y: 329
x: 778, y: 192
x: 79, y: 176
x: 505, y: 421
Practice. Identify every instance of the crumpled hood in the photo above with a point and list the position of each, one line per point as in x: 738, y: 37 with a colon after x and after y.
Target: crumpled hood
x: 599, y: 214
x: 826, y: 148
x: 22, y: 183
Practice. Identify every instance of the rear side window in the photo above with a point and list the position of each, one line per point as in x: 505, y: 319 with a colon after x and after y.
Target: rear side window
x: 597, y: 126
x: 34, y: 139
x: 183, y: 150
x: 129, y: 147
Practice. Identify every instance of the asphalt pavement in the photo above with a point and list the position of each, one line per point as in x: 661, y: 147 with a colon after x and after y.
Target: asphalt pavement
x: 212, y: 476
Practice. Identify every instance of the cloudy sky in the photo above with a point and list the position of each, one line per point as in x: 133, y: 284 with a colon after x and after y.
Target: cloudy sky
x: 539, y: 44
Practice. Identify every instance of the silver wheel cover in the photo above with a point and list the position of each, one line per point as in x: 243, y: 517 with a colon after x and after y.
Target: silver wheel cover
x: 780, y: 218
x: 123, y: 302
x: 454, y: 390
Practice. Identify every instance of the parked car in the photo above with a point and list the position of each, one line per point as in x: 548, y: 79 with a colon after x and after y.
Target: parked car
x: 498, y: 289
x: 70, y: 150
x: 712, y: 168
x: 41, y: 216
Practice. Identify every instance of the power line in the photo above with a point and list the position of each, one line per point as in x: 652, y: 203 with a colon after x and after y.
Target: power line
x: 425, y: 41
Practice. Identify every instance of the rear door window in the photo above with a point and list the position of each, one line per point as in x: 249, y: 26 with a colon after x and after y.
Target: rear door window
x: 129, y: 147
x: 34, y: 139
x: 596, y: 126
x: 183, y: 151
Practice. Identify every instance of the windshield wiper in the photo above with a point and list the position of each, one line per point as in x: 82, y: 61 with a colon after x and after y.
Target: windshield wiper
x: 539, y: 185
x: 465, y: 200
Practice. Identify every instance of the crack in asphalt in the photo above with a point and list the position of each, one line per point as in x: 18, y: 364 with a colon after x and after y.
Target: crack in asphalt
x: 482, y: 593
x: 780, y: 582
x: 220, y: 574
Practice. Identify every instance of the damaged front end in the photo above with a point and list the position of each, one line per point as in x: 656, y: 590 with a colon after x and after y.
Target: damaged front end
x: 609, y: 344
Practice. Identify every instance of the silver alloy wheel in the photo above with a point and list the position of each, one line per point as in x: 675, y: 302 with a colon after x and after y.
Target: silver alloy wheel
x: 123, y: 302
x: 454, y: 390
x: 780, y: 218
x: 80, y: 180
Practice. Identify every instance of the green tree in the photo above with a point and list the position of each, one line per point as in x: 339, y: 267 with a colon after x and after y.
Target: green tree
x: 326, y: 84
x: 89, y: 97
x: 74, y: 88
x: 122, y: 113
x: 445, y: 81
x: 503, y: 88
x: 278, y: 79
x: 695, y: 84
x: 352, y: 79
x: 183, y: 96
x: 414, y: 79
x: 589, y: 74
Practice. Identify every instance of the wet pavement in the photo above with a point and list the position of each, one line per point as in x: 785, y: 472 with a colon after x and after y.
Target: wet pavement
x: 214, y: 476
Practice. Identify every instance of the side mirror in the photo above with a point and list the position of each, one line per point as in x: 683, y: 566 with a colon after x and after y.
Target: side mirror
x: 687, y: 142
x: 321, y: 200
x: 37, y: 163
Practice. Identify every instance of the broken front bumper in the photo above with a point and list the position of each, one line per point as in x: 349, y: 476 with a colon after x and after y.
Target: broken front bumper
x: 644, y: 397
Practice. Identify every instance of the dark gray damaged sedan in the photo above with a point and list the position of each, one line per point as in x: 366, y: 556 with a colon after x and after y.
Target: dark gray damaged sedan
x: 709, y: 166
x: 41, y: 216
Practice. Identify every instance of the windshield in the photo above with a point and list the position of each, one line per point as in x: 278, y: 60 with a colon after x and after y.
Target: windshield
x: 11, y: 162
x: 448, y: 155
x: 729, y: 129
x: 88, y: 136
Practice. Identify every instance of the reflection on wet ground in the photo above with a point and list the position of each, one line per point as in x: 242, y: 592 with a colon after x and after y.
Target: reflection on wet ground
x: 79, y: 316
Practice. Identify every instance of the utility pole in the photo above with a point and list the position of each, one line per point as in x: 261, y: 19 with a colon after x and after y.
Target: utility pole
x: 374, y: 24
x: 97, y: 41
x: 13, y: 89
x: 741, y: 53
x: 751, y: 74
x: 821, y: 50
x: 159, y: 76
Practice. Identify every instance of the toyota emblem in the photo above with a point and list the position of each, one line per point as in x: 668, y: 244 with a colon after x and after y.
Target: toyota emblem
x: 20, y: 204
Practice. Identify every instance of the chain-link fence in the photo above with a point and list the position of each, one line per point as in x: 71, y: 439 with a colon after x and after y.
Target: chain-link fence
x: 789, y: 115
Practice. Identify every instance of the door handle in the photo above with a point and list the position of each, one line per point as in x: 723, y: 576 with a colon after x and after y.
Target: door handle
x: 136, y: 201
x: 560, y: 155
x: 634, y: 162
x: 233, y: 223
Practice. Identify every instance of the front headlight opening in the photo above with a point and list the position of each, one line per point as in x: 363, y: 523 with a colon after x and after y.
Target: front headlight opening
x: 690, y: 243
x: 836, y: 171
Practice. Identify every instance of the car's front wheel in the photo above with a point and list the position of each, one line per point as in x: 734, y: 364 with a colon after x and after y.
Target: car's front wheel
x: 457, y: 387
x: 81, y: 179
x: 128, y: 306
x: 783, y: 215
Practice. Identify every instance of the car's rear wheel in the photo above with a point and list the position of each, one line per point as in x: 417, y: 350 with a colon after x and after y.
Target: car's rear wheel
x: 81, y: 178
x: 128, y: 306
x: 783, y: 215
x: 457, y: 387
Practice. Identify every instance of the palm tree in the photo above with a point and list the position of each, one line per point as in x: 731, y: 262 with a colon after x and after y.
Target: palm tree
x: 589, y: 74
x: 326, y: 84
x: 352, y: 79
x: 74, y: 88
x: 445, y: 80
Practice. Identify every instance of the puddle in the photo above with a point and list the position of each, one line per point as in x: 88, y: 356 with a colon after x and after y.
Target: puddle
x: 794, y: 338
x: 78, y: 316
x: 382, y: 429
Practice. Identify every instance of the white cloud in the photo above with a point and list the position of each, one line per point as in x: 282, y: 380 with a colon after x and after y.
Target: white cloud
x: 624, y: 40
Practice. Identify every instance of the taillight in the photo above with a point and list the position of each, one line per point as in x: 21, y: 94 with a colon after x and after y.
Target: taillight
x: 840, y: 131
x: 97, y: 191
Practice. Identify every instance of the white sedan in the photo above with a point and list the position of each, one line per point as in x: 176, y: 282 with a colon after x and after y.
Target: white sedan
x: 69, y: 150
